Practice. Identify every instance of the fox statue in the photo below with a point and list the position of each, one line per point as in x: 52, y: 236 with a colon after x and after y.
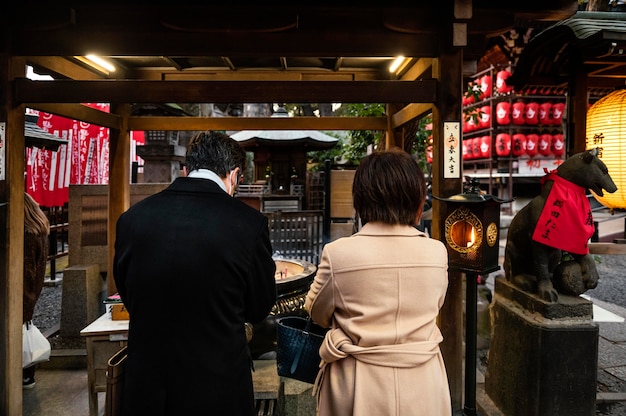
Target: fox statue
x: 558, y: 220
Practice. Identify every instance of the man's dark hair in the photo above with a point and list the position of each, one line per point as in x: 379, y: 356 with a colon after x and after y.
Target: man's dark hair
x: 214, y: 151
x: 389, y: 186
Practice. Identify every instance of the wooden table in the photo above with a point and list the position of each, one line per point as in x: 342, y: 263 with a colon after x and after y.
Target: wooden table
x: 104, y: 337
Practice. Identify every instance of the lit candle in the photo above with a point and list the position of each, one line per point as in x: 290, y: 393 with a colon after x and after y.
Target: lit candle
x: 472, y: 238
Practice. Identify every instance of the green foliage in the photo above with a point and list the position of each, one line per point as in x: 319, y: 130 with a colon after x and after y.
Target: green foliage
x: 350, y: 150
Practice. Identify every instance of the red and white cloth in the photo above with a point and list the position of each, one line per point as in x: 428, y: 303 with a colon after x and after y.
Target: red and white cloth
x: 566, y: 221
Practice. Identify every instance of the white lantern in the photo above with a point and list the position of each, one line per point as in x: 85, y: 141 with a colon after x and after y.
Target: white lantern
x: 606, y: 129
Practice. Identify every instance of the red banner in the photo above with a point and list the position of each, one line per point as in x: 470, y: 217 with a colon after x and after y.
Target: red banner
x: 84, y: 160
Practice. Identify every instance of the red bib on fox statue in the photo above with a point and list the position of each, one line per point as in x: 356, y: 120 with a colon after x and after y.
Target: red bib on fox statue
x: 566, y: 221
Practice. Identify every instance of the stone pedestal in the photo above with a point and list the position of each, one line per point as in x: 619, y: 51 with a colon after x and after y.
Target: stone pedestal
x: 81, y: 301
x: 543, y: 357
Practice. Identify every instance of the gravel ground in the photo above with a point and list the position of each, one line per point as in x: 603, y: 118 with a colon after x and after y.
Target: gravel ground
x: 47, y: 317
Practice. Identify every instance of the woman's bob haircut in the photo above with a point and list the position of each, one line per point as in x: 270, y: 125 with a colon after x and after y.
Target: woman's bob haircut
x: 389, y: 187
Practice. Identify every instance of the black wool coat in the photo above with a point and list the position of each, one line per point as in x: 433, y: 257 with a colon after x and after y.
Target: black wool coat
x: 192, y: 264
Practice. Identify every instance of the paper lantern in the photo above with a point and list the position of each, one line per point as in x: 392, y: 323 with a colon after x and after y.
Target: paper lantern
x: 545, y: 113
x: 531, y: 113
x: 484, y: 121
x: 558, y: 145
x: 467, y: 152
x: 485, y: 146
x: 557, y: 112
x: 517, y: 113
x: 476, y: 147
x: 503, y: 111
x: 501, y: 84
x: 518, y: 146
x: 545, y: 142
x: 532, y: 144
x: 485, y: 86
x: 503, y: 144
x: 606, y: 129
x: 472, y: 122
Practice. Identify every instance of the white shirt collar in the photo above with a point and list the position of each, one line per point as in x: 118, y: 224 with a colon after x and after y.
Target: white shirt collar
x: 207, y: 174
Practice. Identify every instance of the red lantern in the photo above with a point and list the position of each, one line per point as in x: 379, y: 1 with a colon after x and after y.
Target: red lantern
x: 531, y: 113
x: 532, y: 144
x: 485, y: 147
x: 471, y: 122
x: 467, y: 149
x: 545, y: 112
x: 484, y: 121
x: 545, y: 142
x: 501, y: 84
x: 429, y: 154
x: 470, y: 98
x: 503, y: 144
x: 518, y: 146
x: 517, y: 113
x: 558, y: 145
x: 485, y: 86
x: 503, y: 116
x: 557, y: 112
x: 476, y: 147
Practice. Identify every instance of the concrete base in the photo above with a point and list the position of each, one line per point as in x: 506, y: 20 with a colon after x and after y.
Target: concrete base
x: 543, y: 357
x: 298, y: 398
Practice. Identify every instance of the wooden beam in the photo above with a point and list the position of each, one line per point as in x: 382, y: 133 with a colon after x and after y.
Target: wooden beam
x: 257, y: 123
x: 448, y: 69
x: 62, y: 66
x: 119, y: 179
x: 80, y: 112
x: 409, y: 113
x: 12, y: 189
x: 115, y: 91
x: 418, y: 69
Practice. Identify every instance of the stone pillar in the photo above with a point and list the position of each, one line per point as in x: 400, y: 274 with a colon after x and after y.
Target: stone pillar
x: 543, y: 357
x: 81, y: 300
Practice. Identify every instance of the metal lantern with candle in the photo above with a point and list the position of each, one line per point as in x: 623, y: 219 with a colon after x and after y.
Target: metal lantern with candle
x: 472, y: 233
x: 472, y: 230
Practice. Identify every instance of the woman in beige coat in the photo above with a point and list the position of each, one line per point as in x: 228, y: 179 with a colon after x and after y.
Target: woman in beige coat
x: 380, y: 291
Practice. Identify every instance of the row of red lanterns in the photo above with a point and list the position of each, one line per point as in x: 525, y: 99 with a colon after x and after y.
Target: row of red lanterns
x: 483, y: 86
x: 518, y: 114
x: 514, y: 145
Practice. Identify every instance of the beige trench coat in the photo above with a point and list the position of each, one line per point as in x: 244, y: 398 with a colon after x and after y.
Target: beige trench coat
x: 381, y: 290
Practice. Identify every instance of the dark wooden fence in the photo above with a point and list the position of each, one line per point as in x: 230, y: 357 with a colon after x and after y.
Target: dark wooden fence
x: 297, y: 234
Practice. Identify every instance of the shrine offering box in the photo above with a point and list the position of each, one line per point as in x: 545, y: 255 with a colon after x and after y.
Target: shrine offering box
x: 117, y: 308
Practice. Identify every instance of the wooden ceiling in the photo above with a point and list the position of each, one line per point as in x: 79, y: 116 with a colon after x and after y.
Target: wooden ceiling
x: 593, y: 43
x: 244, y: 52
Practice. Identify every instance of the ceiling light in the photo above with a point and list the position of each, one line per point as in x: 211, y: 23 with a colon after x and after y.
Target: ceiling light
x: 396, y: 64
x: 98, y: 63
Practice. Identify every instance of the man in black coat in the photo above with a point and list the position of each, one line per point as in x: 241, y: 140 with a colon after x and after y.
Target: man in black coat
x: 192, y: 265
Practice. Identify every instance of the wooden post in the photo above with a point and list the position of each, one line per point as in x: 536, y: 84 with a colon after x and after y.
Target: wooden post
x: 448, y: 69
x: 576, y: 127
x: 393, y: 138
x: 119, y: 180
x: 12, y: 237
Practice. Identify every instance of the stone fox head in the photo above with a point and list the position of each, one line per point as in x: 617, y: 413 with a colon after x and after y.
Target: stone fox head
x: 588, y: 171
